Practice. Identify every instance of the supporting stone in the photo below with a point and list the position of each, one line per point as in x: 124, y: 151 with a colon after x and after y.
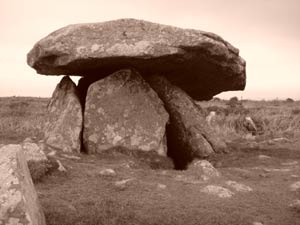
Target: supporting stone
x: 18, y: 199
x: 123, y: 111
x: 63, y: 128
x: 188, y: 133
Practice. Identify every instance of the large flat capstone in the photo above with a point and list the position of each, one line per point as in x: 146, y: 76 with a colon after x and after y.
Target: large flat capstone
x: 18, y: 199
x: 122, y: 110
x: 201, y: 63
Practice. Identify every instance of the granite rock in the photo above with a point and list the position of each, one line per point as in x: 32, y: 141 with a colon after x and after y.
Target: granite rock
x: 201, y: 63
x: 123, y: 111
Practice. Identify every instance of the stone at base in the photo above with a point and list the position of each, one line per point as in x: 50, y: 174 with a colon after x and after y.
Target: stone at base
x: 18, y: 199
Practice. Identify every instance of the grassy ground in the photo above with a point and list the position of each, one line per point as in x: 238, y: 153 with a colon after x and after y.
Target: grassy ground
x: 146, y: 190
x: 272, y: 118
x: 157, y: 196
x: 21, y: 117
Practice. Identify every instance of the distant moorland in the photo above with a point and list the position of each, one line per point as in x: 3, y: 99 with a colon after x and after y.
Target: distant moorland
x: 22, y: 117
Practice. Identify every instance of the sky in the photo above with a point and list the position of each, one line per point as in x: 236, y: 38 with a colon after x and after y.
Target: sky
x: 267, y: 32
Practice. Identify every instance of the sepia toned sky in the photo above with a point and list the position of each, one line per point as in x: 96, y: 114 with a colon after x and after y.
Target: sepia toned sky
x: 266, y: 32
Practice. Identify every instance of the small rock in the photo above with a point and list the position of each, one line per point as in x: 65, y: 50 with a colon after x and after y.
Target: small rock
x: 257, y: 223
x: 217, y: 190
x: 250, y: 125
x: 250, y: 137
x: 71, y: 156
x: 295, y: 205
x: 292, y: 163
x: 129, y: 164
x: 122, y: 183
x: 164, y: 172
x: 295, y: 186
x: 52, y: 153
x: 264, y: 157
x: 206, y: 168
x: 276, y: 170
x: 281, y: 139
x: 294, y: 176
x: 161, y: 186
x: 239, y: 187
x: 107, y: 172
x: 61, y: 168
x: 28, y: 139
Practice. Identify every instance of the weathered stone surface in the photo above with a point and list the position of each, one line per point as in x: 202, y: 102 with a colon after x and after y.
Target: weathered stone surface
x: 63, y: 128
x: 219, y: 191
x: 36, y: 158
x: 34, y: 151
x: 201, y: 63
x: 122, y: 110
x: 238, y: 187
x: 205, y: 169
x: 188, y: 134
x: 18, y: 199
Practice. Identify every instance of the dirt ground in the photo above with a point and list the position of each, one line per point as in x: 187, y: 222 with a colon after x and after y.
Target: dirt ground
x: 118, y: 188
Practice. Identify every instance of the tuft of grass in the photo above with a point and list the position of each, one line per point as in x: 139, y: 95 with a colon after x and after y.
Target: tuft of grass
x: 106, y: 212
x: 38, y: 169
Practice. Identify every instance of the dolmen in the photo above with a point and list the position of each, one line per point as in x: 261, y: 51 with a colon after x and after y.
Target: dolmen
x: 139, y: 82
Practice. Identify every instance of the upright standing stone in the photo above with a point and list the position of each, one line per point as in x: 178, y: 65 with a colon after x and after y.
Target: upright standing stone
x: 18, y: 199
x: 63, y: 128
x: 188, y: 133
x: 122, y: 110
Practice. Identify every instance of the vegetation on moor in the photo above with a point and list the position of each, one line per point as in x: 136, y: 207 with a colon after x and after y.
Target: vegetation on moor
x: 138, y: 192
x: 22, y: 117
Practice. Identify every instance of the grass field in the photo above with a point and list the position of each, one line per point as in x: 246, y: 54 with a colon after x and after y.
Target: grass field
x: 141, y: 192
x: 83, y: 196
x: 273, y: 118
x: 22, y: 117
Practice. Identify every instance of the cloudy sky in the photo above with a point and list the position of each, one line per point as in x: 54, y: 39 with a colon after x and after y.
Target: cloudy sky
x: 267, y: 32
